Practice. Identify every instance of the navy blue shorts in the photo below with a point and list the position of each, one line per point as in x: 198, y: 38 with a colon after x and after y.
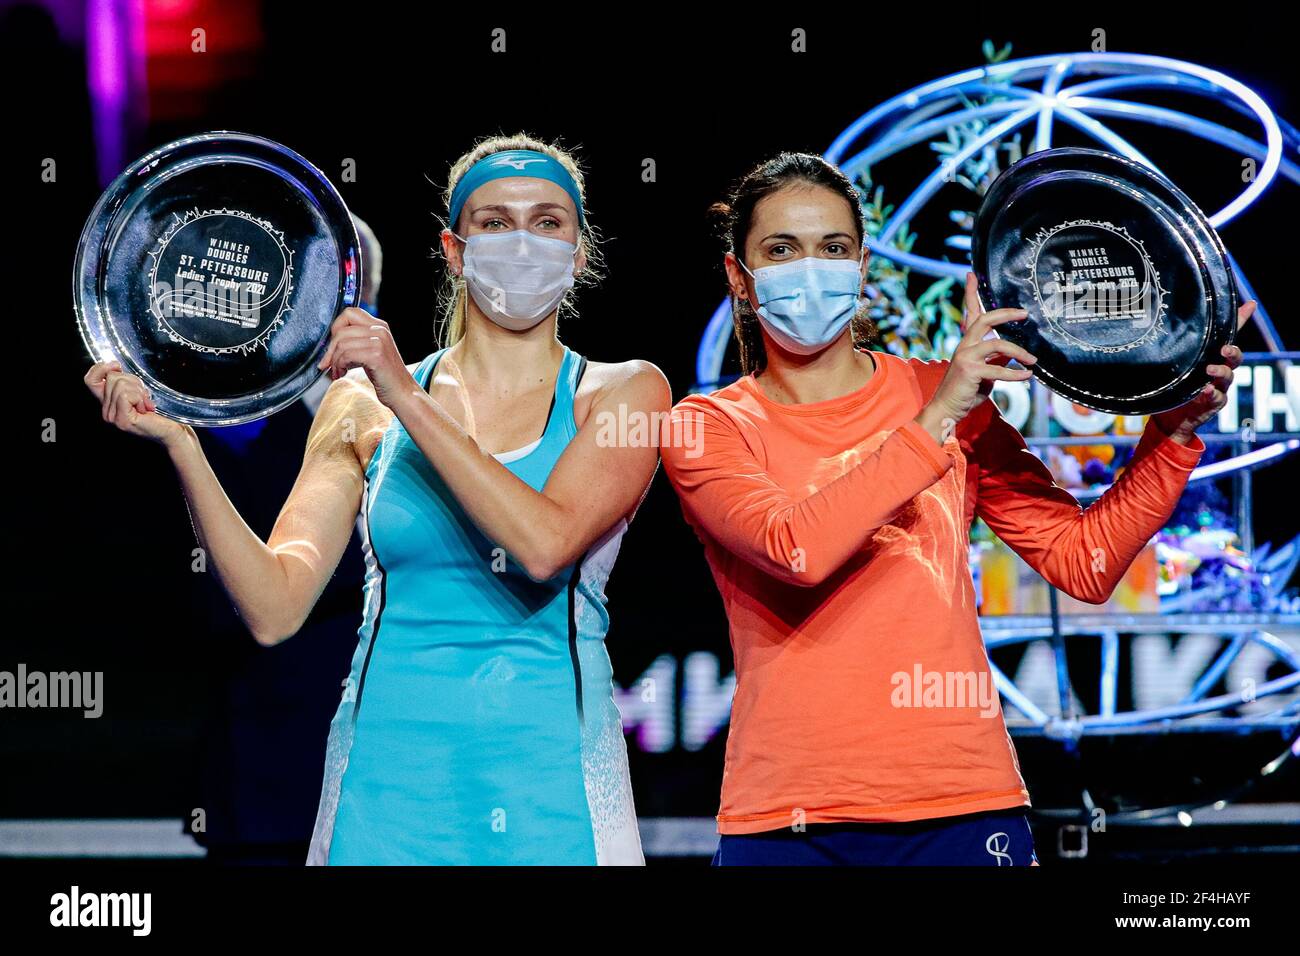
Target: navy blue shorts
x: 997, y: 838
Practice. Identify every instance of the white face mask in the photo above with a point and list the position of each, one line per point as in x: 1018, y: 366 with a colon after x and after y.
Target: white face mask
x: 517, y: 278
x: 806, y: 304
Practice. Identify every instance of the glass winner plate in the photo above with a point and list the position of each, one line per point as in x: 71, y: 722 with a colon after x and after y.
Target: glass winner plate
x: 1127, y: 284
x: 212, y: 268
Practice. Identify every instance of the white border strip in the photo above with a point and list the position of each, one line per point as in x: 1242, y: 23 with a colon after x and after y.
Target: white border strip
x: 97, y: 838
x: 155, y: 839
x: 660, y: 836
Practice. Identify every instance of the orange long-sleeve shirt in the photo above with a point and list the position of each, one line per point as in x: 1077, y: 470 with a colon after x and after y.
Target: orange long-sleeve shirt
x: 837, y: 535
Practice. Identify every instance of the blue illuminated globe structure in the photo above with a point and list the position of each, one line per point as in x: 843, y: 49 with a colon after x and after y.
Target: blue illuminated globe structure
x: 1081, y: 90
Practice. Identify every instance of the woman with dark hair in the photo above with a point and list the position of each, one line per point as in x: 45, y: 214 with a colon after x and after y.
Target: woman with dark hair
x: 833, y: 489
x: 478, y: 723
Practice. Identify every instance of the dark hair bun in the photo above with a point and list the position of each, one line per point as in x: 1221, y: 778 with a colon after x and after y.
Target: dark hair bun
x: 721, y: 218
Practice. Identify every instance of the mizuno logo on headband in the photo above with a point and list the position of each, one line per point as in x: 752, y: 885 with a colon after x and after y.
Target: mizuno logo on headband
x: 514, y: 162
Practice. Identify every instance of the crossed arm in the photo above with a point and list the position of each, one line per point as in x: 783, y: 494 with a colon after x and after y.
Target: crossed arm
x: 728, y: 493
x: 594, y: 484
x: 275, y: 584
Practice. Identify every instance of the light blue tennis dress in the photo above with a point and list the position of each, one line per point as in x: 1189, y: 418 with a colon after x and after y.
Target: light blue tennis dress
x: 478, y: 723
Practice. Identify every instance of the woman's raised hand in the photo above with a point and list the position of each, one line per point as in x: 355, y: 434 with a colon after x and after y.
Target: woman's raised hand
x: 359, y: 340
x: 126, y: 402
x: 976, y: 365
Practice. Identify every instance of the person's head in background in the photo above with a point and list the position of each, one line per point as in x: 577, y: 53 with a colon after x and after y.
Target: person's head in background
x: 372, y: 265
x: 372, y: 272
x: 518, y: 237
x: 794, y: 230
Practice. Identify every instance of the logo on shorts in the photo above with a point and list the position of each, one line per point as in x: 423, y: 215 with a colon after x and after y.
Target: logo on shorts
x: 997, y: 845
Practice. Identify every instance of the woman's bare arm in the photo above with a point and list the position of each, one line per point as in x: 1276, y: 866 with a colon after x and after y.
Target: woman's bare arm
x: 275, y: 584
x: 595, y: 482
x: 601, y: 476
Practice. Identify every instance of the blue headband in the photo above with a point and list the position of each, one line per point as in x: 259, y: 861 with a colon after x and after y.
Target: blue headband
x: 513, y: 162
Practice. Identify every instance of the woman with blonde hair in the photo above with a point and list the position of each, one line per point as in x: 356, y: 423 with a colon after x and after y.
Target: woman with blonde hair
x: 478, y: 723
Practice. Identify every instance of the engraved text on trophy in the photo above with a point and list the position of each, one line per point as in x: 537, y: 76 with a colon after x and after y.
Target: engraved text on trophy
x: 1096, y: 287
x: 220, y: 280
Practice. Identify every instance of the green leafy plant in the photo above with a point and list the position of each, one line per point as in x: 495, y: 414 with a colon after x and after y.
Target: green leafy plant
x: 928, y: 326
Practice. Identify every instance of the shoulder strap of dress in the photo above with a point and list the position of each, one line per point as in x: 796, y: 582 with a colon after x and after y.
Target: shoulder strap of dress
x: 424, y: 374
x: 566, y: 387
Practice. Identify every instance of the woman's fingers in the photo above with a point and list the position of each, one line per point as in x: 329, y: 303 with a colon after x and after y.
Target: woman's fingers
x: 972, y: 299
x: 353, y: 346
x: 111, y: 389
x: 980, y: 359
x: 990, y: 320
x: 328, y: 358
x: 350, y: 325
x: 102, y: 375
x: 336, y: 360
x: 1003, y: 316
x: 980, y: 331
x: 123, y: 408
x: 991, y: 347
x: 341, y: 322
x: 1245, y: 312
x: 124, y: 391
x: 349, y: 317
x: 126, y: 402
x: 112, y: 381
x: 1220, y: 377
x: 1232, y: 355
x: 1206, y: 404
x: 97, y: 376
x: 1001, y: 373
x: 118, y: 396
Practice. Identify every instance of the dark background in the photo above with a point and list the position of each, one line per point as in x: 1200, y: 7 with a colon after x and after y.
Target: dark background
x: 97, y: 569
